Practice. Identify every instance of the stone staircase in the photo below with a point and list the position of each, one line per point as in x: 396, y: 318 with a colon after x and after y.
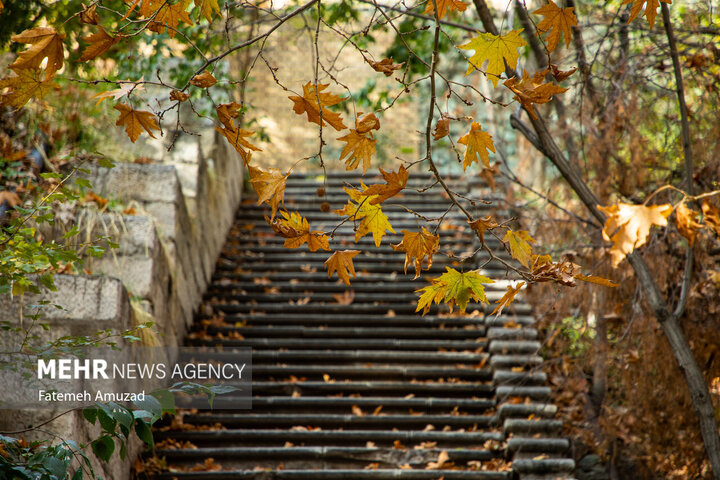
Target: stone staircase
x: 366, y: 389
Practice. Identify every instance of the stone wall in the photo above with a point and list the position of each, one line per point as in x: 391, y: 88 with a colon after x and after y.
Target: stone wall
x: 166, y: 256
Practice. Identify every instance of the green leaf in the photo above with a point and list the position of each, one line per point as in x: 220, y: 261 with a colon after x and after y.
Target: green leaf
x: 144, y: 432
x: 83, y: 182
x: 90, y: 414
x: 78, y: 474
x: 103, y: 447
x: 105, y: 163
x: 151, y: 404
x: 166, y: 399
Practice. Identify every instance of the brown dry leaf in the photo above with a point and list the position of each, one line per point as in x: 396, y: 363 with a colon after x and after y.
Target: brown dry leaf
x: 545, y: 270
x: 406, y: 466
x: 687, y: 223
x: 489, y: 174
x: 345, y: 298
x: 711, y: 216
x: 596, y: 280
x: 11, y: 199
x: 358, y: 147
x: 342, y: 262
x: 269, y: 186
x: 22, y: 87
x: 385, y: 66
x: 46, y: 43
x: 508, y: 298
x: 118, y: 93
x: 208, y: 465
x: 178, y: 96
x: 100, y: 42
x: 89, y: 15
x: 628, y: 226
x: 558, y: 21
x: 372, y: 466
x: 529, y: 91
x: 235, y: 136
x: 135, y: 121
x: 442, y: 128
x: 370, y: 445
x: 478, y: 143
x: 397, y: 444
x: 519, y: 243
x: 170, y: 16
x: 357, y: 411
x: 651, y: 7
x: 561, y: 75
x: 203, y: 80
x: 295, y: 229
x: 395, y: 182
x: 417, y: 245
x: 309, y: 104
x: 444, y: 6
x: 367, y: 122
x: 481, y: 225
x: 442, y: 460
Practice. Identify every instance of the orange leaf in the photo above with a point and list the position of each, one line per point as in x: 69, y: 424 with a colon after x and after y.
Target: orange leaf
x: 395, y: 183
x: 227, y: 112
x: 488, y: 174
x: 477, y: 142
x: 178, y: 96
x: 24, y: 86
x: 269, y: 186
x: 558, y: 21
x: 481, y: 225
x: 417, y: 245
x: 442, y: 460
x: 442, y: 128
x: 628, y: 226
x: 203, y: 80
x: 89, y: 15
x: 9, y: 198
x: 687, y: 222
x: 295, y: 229
x: 342, y: 263
x: 444, y: 6
x: 358, y: 147
x: 46, y: 43
x: 561, y: 75
x: 711, y: 215
x: 529, y: 91
x: 367, y: 122
x: 596, y: 280
x: 317, y: 111
x: 136, y: 121
x: 508, y: 298
x: 651, y: 7
x: 385, y: 66
x: 170, y: 16
x: 100, y: 42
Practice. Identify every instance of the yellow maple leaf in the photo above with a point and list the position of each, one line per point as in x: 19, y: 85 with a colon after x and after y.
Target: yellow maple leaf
x: 596, y: 280
x: 269, y: 185
x: 100, y: 42
x: 295, y: 229
x: 136, y: 121
x: 45, y: 43
x: 417, y: 245
x: 519, y: 243
x: 444, y: 6
x: 170, y: 16
x: 481, y: 225
x: 496, y: 50
x: 628, y: 226
x: 207, y: 7
x: 395, y: 182
x: 687, y: 223
x: 529, y: 91
x: 651, y: 7
x: 309, y: 104
x: 22, y: 87
x: 453, y: 288
x: 507, y: 299
x: 371, y: 217
x: 478, y: 143
x: 358, y: 147
x: 558, y: 21
x: 342, y: 262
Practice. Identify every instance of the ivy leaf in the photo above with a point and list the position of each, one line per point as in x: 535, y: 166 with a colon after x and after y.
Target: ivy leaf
x: 558, y: 21
x: 25, y: 85
x: 371, y: 217
x: 358, y: 147
x: 453, y: 288
x: 497, y: 50
x: 395, y: 182
x: 444, y: 6
x: 136, y: 121
x: 342, y: 262
x: 529, y: 91
x: 269, y: 186
x: 477, y: 142
x: 100, y: 42
x: 309, y: 104
x: 651, y: 7
x: 687, y: 223
x: 295, y: 229
x: 46, y: 43
x: 628, y: 226
x: 519, y: 242
x: 507, y: 299
x: 417, y: 245
x: 170, y: 16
